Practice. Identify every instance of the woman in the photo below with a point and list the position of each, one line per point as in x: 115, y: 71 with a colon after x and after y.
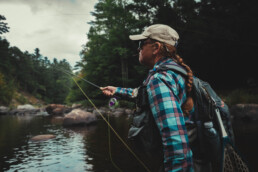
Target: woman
x: 168, y: 94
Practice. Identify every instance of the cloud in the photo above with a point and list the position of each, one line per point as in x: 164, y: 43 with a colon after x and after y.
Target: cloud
x: 57, y: 27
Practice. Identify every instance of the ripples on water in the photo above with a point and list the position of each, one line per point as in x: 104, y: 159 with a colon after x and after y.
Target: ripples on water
x: 66, y: 152
x: 76, y: 149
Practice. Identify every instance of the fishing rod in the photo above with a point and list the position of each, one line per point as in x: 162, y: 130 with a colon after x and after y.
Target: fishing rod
x: 112, y: 104
x: 114, y: 131
x: 69, y: 73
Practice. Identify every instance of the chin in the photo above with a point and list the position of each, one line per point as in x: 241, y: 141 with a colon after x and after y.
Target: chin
x: 141, y: 62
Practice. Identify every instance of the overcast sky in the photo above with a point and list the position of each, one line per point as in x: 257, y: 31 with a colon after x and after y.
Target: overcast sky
x: 57, y: 27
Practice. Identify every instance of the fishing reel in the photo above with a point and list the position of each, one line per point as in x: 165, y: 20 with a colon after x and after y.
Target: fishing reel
x: 113, y: 103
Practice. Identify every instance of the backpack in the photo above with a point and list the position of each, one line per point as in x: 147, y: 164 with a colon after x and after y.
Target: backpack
x: 206, y: 101
x: 204, y: 145
x: 208, y: 144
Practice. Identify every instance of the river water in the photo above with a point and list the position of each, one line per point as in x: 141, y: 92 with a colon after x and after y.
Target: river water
x: 77, y: 149
x: 84, y: 148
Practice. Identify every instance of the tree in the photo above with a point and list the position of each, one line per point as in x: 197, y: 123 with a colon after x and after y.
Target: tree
x: 3, y: 26
x: 217, y: 40
x: 108, y: 56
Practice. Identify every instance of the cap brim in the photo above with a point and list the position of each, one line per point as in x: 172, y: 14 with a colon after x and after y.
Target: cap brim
x: 137, y: 37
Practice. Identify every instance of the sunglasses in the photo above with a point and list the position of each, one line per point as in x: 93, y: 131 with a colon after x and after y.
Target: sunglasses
x: 141, y: 44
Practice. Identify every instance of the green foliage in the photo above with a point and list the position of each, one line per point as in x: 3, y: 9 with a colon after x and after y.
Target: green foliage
x: 3, y: 26
x: 107, y: 57
x: 241, y: 96
x: 217, y: 40
x: 215, y: 37
x: 6, y: 90
x: 21, y: 99
x: 34, y: 74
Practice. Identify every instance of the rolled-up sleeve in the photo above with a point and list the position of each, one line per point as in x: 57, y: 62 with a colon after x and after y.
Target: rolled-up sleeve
x: 169, y: 118
x: 126, y: 92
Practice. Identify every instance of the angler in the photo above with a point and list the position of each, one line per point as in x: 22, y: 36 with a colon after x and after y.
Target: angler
x: 164, y: 96
x: 178, y: 119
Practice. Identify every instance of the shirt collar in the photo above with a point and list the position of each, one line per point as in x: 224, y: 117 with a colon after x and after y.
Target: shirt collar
x: 162, y: 61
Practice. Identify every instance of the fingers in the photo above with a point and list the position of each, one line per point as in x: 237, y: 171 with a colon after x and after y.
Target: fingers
x: 108, y: 91
x: 103, y: 88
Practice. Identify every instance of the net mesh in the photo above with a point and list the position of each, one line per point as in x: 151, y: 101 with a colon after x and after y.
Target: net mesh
x: 233, y: 161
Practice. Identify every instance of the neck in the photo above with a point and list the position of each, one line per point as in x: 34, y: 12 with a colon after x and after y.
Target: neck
x: 155, y: 60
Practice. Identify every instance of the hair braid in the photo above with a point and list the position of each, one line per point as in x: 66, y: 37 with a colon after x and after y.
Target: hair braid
x: 170, y: 51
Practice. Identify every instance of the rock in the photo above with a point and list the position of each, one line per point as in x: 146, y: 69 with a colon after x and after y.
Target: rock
x: 26, y: 107
x: 118, y: 112
x: 24, y: 111
x: 247, y: 112
x: 244, y: 118
x: 42, y: 137
x: 42, y: 112
x: 55, y: 109
x: 89, y: 109
x: 78, y: 116
x: 67, y: 110
x: 4, y: 110
x: 97, y: 112
x: 58, y: 111
x: 128, y: 111
x: 76, y: 106
x: 104, y: 109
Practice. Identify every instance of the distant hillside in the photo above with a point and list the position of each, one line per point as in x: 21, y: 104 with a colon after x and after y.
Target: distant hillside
x: 22, y: 97
x: 32, y: 73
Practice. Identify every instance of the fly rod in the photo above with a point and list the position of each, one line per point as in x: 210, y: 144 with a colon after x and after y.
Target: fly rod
x: 112, y: 104
x: 69, y: 73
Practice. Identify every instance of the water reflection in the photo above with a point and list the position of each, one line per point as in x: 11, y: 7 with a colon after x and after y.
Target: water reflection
x: 84, y: 148
x: 66, y: 152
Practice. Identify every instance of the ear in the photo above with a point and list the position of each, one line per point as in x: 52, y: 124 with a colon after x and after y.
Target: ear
x: 156, y: 48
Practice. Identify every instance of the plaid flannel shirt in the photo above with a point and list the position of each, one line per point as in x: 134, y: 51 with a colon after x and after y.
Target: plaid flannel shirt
x: 166, y: 93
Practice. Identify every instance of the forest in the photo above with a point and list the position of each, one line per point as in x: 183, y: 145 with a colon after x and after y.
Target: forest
x: 32, y: 73
x: 218, y: 40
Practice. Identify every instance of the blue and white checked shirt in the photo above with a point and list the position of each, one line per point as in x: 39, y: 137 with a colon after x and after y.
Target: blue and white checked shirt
x: 166, y: 93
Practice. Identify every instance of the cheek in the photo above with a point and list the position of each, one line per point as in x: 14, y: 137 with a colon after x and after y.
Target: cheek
x: 141, y: 57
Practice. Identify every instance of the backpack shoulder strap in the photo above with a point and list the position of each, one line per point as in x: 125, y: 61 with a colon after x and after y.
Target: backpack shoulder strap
x: 175, y: 67
x: 172, y: 66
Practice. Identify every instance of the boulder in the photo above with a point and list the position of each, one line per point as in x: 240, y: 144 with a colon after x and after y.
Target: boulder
x: 26, y: 107
x: 97, y: 112
x: 78, y: 116
x: 89, y: 109
x: 76, y: 106
x: 244, y: 118
x: 128, y: 111
x: 118, y: 112
x: 56, y: 109
x: 24, y: 111
x: 42, y: 137
x: 4, y: 110
x: 42, y: 112
x: 246, y: 112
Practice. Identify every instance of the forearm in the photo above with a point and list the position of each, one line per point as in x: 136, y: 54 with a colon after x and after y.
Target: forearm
x: 126, y: 92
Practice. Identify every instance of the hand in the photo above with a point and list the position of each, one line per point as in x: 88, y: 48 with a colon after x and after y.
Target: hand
x: 109, y: 90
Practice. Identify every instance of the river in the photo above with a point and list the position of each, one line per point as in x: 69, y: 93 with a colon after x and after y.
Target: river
x: 77, y: 149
